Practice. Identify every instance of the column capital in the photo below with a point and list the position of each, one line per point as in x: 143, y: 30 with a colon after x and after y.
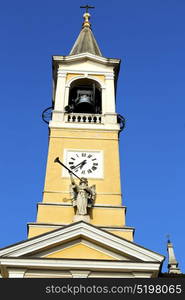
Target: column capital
x: 62, y: 73
x: 80, y: 274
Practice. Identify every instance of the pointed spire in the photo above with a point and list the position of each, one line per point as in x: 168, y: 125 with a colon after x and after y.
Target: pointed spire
x: 172, y: 262
x: 86, y: 41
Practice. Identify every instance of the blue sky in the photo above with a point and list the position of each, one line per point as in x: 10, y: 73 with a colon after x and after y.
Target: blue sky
x: 149, y: 37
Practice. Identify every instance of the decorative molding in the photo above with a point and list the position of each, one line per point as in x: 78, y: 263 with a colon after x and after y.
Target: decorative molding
x: 80, y: 274
x: 66, y: 192
x: 86, y: 75
x: 84, y: 138
x: 41, y: 225
x: 103, y: 206
x: 124, y: 228
x: 62, y: 125
x: 86, y: 55
x: 93, y: 265
x: 109, y: 76
x: 61, y: 73
x: 87, y: 243
x: 35, y: 224
x: 44, y: 273
x: 16, y: 273
x: 83, y: 72
x: 87, y: 231
x: 141, y: 275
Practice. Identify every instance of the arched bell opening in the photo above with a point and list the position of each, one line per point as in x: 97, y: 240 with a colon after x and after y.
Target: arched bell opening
x: 85, y: 97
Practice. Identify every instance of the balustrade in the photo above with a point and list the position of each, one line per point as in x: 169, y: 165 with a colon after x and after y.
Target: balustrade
x: 83, y: 118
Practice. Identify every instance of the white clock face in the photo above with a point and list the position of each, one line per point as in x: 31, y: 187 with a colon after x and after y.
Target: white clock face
x: 84, y: 163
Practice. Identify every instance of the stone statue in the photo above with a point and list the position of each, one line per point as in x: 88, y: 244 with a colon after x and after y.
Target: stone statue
x: 83, y: 196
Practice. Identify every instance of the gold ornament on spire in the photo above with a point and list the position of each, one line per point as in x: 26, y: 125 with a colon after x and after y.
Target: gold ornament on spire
x: 86, y: 22
x: 86, y: 15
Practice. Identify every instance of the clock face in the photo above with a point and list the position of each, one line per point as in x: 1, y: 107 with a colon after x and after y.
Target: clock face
x: 84, y: 163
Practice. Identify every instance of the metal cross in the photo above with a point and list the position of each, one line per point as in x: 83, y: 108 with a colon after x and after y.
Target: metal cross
x: 168, y: 237
x: 87, y: 7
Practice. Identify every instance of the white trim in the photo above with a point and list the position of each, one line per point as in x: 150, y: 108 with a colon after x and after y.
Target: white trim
x: 98, y: 265
x: 84, y: 138
x: 61, y: 73
x: 44, y: 273
x: 89, y: 126
x: 16, y: 273
x: 79, y: 274
x: 100, y: 174
x: 57, y: 226
x: 89, y: 244
x: 86, y: 72
x: 100, y: 59
x: 70, y: 205
x: 67, y: 191
x: 46, y: 225
x: 87, y: 231
x: 69, y: 82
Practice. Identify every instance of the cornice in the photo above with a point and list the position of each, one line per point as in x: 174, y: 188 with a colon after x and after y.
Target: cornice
x: 95, y: 265
x: 86, y: 55
x: 87, y: 231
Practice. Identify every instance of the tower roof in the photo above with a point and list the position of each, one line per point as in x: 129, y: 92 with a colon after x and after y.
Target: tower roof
x: 86, y: 41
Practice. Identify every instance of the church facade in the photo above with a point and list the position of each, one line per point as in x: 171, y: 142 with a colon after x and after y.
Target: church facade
x: 81, y: 230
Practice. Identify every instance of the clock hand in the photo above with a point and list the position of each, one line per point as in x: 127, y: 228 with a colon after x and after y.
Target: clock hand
x: 84, y: 162
x: 78, y: 165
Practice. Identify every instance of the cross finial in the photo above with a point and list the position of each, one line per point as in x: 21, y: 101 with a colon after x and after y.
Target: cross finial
x: 87, y: 7
x: 86, y: 16
x: 168, y: 237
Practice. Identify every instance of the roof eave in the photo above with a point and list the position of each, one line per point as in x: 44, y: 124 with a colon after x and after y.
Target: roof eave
x: 85, y: 55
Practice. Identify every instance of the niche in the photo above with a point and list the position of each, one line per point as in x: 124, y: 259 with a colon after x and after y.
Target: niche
x: 85, y: 97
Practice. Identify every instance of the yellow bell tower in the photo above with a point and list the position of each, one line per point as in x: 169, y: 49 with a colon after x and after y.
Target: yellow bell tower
x: 84, y: 134
x: 80, y: 229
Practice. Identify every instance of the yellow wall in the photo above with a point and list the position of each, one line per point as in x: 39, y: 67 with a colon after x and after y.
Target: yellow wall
x: 128, y: 235
x: 56, y: 190
x: 108, y: 189
x: 64, y: 197
x: 41, y: 229
x: 80, y: 251
x: 73, y: 75
x: 60, y: 214
x: 38, y: 230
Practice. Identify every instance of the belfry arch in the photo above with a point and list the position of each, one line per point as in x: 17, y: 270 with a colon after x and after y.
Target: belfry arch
x: 85, y: 96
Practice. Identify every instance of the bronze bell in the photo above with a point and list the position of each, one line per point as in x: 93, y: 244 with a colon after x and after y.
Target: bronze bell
x: 84, y: 101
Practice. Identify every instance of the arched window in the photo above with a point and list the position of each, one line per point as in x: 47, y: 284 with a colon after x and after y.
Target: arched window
x: 85, y: 97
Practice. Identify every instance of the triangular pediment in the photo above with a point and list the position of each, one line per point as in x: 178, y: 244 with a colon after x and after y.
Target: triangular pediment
x: 80, y: 241
x: 80, y: 248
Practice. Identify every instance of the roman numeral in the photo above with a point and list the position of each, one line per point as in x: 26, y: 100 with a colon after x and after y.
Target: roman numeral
x: 72, y: 158
x: 89, y: 171
x: 83, y: 154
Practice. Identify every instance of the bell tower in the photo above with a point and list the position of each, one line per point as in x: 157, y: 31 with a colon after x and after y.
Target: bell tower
x: 84, y: 136
x: 80, y: 230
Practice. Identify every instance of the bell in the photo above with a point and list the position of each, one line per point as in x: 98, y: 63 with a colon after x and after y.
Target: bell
x: 84, y: 102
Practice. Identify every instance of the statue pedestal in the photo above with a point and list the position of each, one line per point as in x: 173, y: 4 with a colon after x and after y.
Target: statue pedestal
x: 85, y: 218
